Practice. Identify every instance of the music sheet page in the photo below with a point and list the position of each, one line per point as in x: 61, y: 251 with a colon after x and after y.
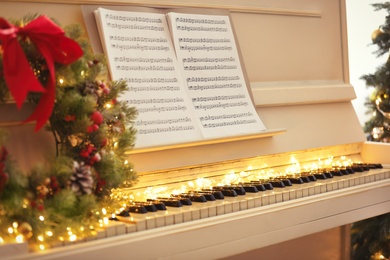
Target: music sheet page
x: 140, y: 51
x: 207, y: 54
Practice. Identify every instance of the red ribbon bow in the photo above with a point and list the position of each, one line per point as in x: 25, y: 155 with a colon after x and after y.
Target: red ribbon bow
x: 54, y: 46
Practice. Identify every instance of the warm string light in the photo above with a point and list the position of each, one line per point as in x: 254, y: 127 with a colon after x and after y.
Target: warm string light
x: 232, y: 178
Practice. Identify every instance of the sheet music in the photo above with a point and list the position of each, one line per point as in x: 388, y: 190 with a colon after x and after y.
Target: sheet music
x: 207, y: 54
x: 140, y: 51
x: 195, y: 94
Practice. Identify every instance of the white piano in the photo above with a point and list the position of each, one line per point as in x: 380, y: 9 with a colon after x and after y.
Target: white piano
x: 295, y: 54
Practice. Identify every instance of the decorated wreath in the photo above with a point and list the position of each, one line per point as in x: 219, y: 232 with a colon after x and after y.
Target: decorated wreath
x: 66, y: 198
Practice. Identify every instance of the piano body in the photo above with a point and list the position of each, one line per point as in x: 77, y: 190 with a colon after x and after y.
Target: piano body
x: 296, y: 58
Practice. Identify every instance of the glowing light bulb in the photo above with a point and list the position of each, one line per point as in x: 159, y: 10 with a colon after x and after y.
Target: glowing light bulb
x: 72, y: 238
x: 61, y: 81
x: 41, y: 218
x: 41, y: 247
x: 19, y: 239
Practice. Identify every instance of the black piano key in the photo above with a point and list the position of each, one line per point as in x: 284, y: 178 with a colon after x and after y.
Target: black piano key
x: 312, y: 177
x: 360, y: 167
x: 305, y: 178
x: 218, y: 195
x: 193, y: 197
x: 208, y: 196
x: 296, y: 180
x: 159, y: 205
x: 250, y: 188
x: 286, y: 182
x: 375, y: 166
x: 124, y: 213
x: 350, y: 170
x: 320, y: 176
x: 169, y: 202
x: 226, y: 192
x: 267, y: 185
x: 149, y: 206
x: 344, y: 171
x: 328, y: 174
x: 277, y: 184
x: 238, y: 189
x: 137, y: 208
x: 185, y: 201
x: 259, y: 186
x: 336, y: 173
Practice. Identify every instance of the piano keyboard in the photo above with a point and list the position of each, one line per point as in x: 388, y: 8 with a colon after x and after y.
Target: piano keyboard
x: 192, y: 206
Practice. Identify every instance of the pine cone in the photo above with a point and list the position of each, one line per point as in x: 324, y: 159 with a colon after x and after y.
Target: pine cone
x: 81, y: 179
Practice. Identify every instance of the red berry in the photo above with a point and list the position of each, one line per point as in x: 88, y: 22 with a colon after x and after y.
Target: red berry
x: 97, y: 117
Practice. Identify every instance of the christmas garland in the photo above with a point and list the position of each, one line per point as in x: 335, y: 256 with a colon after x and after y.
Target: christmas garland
x: 66, y: 198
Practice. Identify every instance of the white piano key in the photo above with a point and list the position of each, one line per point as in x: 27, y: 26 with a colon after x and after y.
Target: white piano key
x: 293, y: 194
x: 121, y: 228
x: 250, y: 203
x: 141, y: 225
x: 169, y: 219
x: 100, y: 233
x: 110, y: 230
x: 236, y: 206
x: 159, y: 218
x: 379, y: 176
x: 195, y: 214
x: 130, y: 228
x: 187, y: 216
x: 228, y: 207
x: 178, y: 218
x: 265, y: 200
x: 219, y: 208
x: 299, y: 193
x: 258, y: 202
x: 243, y: 205
x: 272, y: 198
x: 150, y: 222
x: 286, y: 195
x: 212, y: 211
x: 305, y: 192
x: 204, y: 213
x: 323, y: 187
x: 279, y: 197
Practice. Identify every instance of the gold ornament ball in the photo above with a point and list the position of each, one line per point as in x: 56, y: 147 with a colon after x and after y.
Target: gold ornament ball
x: 25, y: 229
x: 375, y: 34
